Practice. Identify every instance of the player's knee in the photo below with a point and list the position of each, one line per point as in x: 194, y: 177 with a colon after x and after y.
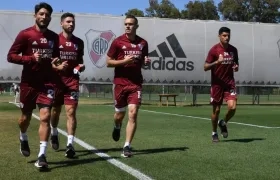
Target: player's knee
x: 133, y: 111
x: 45, y: 115
x: 119, y: 116
x: 56, y: 111
x: 71, y: 112
x: 25, y: 118
x: 232, y: 107
x: 216, y: 110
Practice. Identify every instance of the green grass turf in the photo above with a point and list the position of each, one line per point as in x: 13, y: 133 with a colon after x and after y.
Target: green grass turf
x: 165, y: 146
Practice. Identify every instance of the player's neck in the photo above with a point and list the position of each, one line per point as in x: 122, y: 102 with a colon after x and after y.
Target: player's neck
x: 131, y: 37
x: 67, y: 35
x: 40, y: 29
x: 224, y: 45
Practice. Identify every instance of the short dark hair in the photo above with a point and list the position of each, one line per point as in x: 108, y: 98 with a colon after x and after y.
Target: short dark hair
x: 224, y: 29
x: 43, y: 5
x: 129, y: 16
x: 65, y: 15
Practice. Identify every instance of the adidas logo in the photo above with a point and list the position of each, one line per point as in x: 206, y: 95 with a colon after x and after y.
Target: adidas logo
x: 34, y: 43
x: 60, y: 46
x: 168, y: 56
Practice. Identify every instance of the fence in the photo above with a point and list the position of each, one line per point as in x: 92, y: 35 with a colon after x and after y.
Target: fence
x: 187, y: 95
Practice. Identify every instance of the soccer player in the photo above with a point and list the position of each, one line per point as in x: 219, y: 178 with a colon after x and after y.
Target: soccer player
x: 16, y: 90
x: 222, y: 60
x: 127, y: 54
x: 38, y: 47
x: 71, y: 51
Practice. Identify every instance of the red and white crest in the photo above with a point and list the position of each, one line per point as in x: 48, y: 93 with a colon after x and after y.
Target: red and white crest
x: 98, y: 43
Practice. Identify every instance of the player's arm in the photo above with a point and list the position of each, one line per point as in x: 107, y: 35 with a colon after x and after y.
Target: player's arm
x: 212, y: 61
x: 19, y: 45
x: 81, y: 67
x: 112, y: 56
x: 56, y: 62
x: 146, y: 59
x: 236, y: 61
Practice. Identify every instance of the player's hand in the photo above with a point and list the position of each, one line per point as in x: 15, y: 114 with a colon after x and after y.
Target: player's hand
x: 37, y: 56
x: 147, y: 60
x: 129, y: 59
x: 82, y: 67
x: 235, y: 67
x: 58, y: 65
x: 56, y: 61
x: 221, y: 59
x: 78, y: 69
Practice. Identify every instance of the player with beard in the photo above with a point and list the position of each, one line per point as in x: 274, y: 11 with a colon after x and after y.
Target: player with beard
x: 38, y: 47
x: 222, y: 60
x: 127, y: 54
x: 71, y: 51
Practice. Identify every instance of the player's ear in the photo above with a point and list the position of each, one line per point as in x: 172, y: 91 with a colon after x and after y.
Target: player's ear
x: 137, y: 25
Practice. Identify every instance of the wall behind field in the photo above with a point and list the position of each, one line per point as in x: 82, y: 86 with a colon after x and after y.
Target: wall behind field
x: 178, y: 48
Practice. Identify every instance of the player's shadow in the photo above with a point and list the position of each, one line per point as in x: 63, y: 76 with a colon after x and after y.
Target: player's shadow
x: 244, y: 140
x: 158, y: 150
x: 142, y: 151
x: 79, y: 153
x: 135, y: 151
x: 74, y: 161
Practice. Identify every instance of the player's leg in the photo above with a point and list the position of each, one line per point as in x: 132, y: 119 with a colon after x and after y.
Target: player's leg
x: 120, y: 110
x: 214, y: 119
x: 44, y: 101
x: 134, y: 102
x: 216, y: 101
x: 24, y: 122
x: 27, y: 103
x: 71, y: 103
x: 55, y: 113
x: 230, y: 97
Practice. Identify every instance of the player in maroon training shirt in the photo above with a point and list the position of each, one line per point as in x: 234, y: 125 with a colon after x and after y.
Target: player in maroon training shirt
x: 71, y: 51
x: 38, y: 47
x: 222, y: 60
x: 128, y: 53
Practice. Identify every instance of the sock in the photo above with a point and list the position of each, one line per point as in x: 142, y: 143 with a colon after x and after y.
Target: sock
x: 70, y: 139
x: 23, y: 136
x: 213, y: 133
x: 126, y: 144
x: 54, y: 131
x: 43, y: 148
x: 223, y: 122
x: 118, y: 126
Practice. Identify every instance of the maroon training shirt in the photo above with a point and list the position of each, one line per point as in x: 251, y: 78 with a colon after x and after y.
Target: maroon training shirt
x: 222, y: 74
x: 72, y: 51
x: 27, y: 42
x: 131, y: 73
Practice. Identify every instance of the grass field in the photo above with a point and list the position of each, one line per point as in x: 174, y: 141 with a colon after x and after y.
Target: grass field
x: 170, y: 143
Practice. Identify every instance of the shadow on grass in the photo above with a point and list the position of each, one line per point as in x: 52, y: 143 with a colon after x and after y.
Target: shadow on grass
x: 244, y: 140
x: 137, y: 151
x: 72, y: 162
x: 80, y: 153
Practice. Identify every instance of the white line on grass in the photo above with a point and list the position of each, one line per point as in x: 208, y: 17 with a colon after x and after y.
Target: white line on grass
x: 195, y: 117
x: 134, y: 172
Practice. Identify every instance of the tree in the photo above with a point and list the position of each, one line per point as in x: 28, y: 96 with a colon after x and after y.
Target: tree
x: 204, y: 10
x: 166, y: 9
x: 135, y: 12
x: 266, y: 11
x: 210, y: 10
